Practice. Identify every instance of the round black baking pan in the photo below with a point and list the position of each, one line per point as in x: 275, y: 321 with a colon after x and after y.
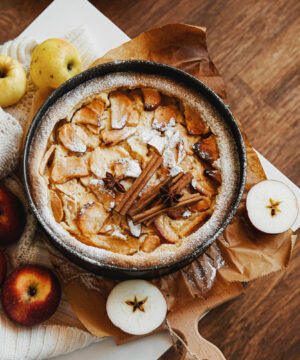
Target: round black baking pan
x: 144, y: 67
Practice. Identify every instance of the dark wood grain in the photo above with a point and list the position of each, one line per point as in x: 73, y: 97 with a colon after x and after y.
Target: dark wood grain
x: 255, y: 46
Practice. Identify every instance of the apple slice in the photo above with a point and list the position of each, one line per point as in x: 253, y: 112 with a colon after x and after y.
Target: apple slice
x: 271, y: 206
x: 151, y: 98
x: 113, y: 137
x: 206, y: 149
x: 125, y: 167
x: 165, y: 230
x: 150, y: 243
x: 214, y: 175
x: 3, y: 266
x: 194, y: 123
x: 73, y: 138
x: 66, y: 168
x: 136, y: 307
x: 30, y: 295
x: 121, y: 109
x: 87, y: 116
x: 91, y: 218
x: 164, y: 116
x: 56, y: 206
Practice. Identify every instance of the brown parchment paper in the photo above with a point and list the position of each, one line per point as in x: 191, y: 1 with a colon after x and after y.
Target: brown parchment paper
x: 240, y: 254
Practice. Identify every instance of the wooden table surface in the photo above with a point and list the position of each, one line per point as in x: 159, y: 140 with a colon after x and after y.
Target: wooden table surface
x: 254, y: 44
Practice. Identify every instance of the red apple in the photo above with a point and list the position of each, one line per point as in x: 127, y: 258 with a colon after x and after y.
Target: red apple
x: 2, y: 266
x: 30, y: 295
x: 12, y: 217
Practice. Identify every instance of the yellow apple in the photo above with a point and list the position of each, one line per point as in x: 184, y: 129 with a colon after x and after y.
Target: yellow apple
x: 12, y: 81
x: 53, y: 62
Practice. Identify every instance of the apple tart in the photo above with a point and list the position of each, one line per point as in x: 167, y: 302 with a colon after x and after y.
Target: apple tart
x: 132, y: 169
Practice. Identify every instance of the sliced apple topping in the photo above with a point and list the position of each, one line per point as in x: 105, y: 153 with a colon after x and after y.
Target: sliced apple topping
x: 135, y: 230
x: 104, y: 195
x: 194, y: 224
x: 125, y: 167
x: 91, y: 218
x: 113, y: 137
x: 206, y: 149
x: 121, y: 109
x: 47, y: 159
x: 151, y: 98
x: 214, y: 175
x: 56, y: 206
x: 86, y: 116
x: 66, y: 168
x: 150, y: 243
x: 102, y: 159
x: 72, y: 188
x: 73, y: 138
x: 194, y: 123
x: 204, y: 187
x: 203, y: 205
x: 97, y: 106
x: 162, y: 225
x: 164, y: 116
x: 117, y: 245
x: 138, y: 148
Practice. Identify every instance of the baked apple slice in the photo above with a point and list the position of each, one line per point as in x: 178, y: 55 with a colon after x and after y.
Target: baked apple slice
x: 66, y: 168
x: 97, y: 106
x: 73, y: 138
x: 56, y: 206
x: 89, y: 115
x: 151, y: 99
x: 165, y: 230
x: 113, y: 137
x: 194, y: 123
x: 91, y: 218
x: 214, y: 175
x: 125, y: 167
x: 103, y: 194
x: 48, y: 157
x: 164, y: 116
x: 150, y: 243
x: 194, y: 224
x: 121, y: 109
x: 206, y: 149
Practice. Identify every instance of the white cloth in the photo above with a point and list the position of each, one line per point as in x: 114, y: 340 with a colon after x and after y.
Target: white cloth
x: 63, y: 333
x: 10, y: 140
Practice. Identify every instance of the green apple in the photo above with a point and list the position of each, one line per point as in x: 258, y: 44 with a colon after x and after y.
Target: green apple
x: 53, y: 62
x: 12, y: 81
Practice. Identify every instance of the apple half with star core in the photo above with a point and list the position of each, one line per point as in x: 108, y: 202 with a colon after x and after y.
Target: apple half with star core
x: 12, y: 217
x: 30, y: 295
x: 3, y: 266
x: 136, y: 307
x: 53, y: 62
x: 12, y: 81
x: 272, y: 207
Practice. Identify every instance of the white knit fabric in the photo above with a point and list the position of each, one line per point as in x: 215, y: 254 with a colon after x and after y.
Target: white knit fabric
x: 62, y: 333
x: 10, y: 139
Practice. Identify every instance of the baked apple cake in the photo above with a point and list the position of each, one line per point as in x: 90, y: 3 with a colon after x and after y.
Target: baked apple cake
x: 133, y: 169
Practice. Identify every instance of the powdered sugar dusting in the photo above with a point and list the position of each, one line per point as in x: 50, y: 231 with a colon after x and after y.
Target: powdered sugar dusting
x: 229, y: 165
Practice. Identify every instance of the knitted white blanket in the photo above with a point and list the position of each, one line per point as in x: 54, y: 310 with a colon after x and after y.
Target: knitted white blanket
x: 63, y: 333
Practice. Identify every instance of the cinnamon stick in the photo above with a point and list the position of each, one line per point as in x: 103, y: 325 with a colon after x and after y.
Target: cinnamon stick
x: 130, y: 196
x: 147, y: 198
x: 157, y: 209
x: 177, y: 186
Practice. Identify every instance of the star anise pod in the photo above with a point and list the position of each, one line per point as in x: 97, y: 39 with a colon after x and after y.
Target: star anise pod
x: 169, y: 196
x: 111, y: 182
